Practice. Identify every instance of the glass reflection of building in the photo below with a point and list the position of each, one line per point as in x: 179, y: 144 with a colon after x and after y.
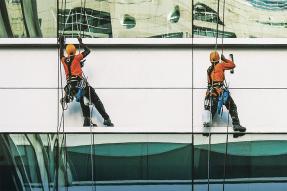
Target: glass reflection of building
x: 142, y: 161
x: 242, y: 19
x: 156, y: 19
x: 87, y: 22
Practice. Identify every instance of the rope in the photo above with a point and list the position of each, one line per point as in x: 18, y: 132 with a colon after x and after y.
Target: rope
x: 218, y: 1
x: 58, y: 108
x: 86, y: 17
x: 192, y: 76
x: 211, y: 105
x: 208, y: 163
x: 227, y: 127
x: 90, y: 99
x: 61, y: 121
x: 92, y: 143
x: 211, y: 101
x: 223, y: 14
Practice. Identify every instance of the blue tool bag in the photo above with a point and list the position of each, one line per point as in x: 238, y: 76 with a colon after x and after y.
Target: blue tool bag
x: 80, y: 92
x: 222, y: 99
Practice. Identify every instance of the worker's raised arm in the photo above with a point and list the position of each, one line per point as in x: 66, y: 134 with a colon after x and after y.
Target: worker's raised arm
x: 86, y: 49
x: 62, y: 44
x: 227, y: 64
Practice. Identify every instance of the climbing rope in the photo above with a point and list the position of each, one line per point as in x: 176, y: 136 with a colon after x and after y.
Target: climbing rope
x: 83, y: 17
x: 62, y: 147
x: 227, y: 127
x: 217, y: 23
x: 192, y: 89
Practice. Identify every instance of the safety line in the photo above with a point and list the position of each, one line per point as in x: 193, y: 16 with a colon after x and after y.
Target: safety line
x: 192, y: 98
x: 227, y: 127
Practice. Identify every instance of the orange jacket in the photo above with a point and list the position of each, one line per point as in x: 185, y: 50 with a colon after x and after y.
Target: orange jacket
x: 217, y: 74
x: 72, y: 65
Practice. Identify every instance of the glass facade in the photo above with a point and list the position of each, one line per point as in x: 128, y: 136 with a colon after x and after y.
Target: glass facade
x: 143, y: 162
x: 116, y: 19
x: 86, y: 22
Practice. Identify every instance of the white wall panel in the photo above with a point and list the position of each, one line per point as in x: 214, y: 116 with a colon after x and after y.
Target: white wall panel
x: 139, y: 110
x: 28, y: 110
x: 139, y: 68
x: 116, y: 68
x: 29, y: 68
x: 143, y: 110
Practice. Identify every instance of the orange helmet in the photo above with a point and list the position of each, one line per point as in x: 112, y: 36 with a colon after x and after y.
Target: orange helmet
x: 71, y: 49
x: 214, y: 57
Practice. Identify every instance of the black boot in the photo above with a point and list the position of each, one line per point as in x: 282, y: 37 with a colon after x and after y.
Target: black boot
x: 238, y: 127
x: 108, y: 123
x: 88, y: 122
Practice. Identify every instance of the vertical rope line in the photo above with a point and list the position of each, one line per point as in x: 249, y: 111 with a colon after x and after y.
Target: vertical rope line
x: 227, y: 127
x: 63, y: 117
x: 192, y: 96
x: 86, y: 17
x: 223, y: 16
x: 56, y: 177
x: 79, y: 23
x: 61, y: 122
x: 218, y: 1
x: 91, y: 146
x: 208, y: 162
x: 226, y: 149
x: 94, y: 165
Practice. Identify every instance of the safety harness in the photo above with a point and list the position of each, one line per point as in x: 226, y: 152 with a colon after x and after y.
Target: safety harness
x: 75, y: 84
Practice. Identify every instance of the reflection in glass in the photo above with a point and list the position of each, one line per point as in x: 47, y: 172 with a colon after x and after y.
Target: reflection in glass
x: 242, y: 19
x: 142, y: 162
x: 204, y: 13
x: 174, y: 15
x: 269, y: 4
x: 86, y: 22
x: 128, y: 21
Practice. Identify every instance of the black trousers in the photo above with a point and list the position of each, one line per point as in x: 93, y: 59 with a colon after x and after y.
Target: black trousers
x: 90, y: 93
x: 230, y: 106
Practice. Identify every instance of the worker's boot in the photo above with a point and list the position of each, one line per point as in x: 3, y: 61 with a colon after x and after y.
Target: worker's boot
x: 88, y: 122
x: 108, y: 123
x: 238, y: 127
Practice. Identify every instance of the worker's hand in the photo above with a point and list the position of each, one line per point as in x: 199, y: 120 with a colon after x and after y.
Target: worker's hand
x: 223, y: 57
x: 80, y: 40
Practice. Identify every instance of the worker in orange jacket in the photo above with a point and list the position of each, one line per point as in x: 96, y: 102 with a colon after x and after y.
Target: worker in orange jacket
x: 216, y: 88
x: 77, y: 86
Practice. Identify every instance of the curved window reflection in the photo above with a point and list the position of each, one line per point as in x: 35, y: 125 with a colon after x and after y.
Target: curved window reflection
x: 269, y: 4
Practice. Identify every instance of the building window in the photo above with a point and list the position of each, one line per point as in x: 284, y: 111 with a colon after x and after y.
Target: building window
x: 208, y: 32
x: 204, y: 13
x: 91, y: 22
x: 128, y: 21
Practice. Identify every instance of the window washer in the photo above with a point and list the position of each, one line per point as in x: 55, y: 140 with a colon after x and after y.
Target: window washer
x: 217, y: 93
x: 77, y: 86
